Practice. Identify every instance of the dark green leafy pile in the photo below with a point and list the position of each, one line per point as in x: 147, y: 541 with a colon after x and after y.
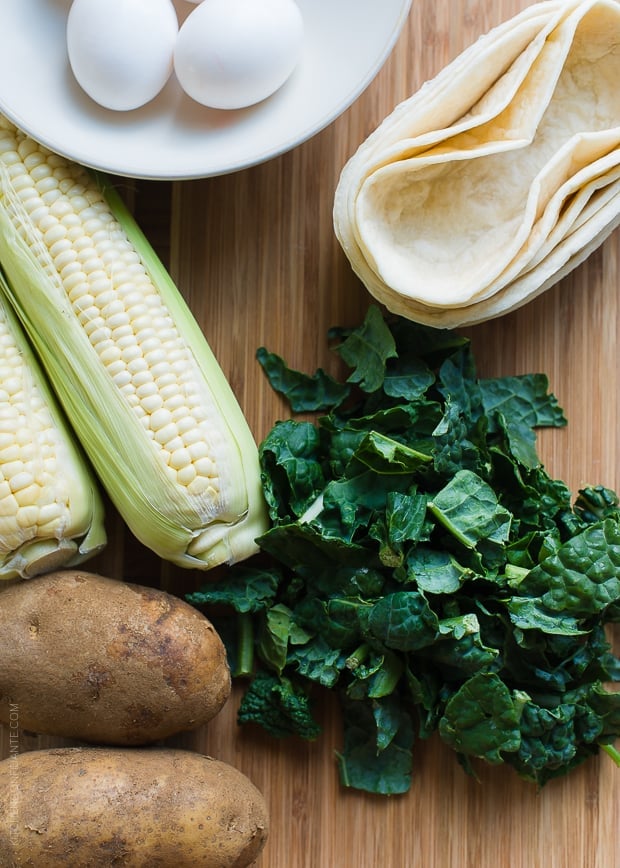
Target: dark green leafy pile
x: 423, y: 564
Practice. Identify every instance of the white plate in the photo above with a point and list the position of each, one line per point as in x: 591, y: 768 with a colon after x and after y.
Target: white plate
x: 346, y: 43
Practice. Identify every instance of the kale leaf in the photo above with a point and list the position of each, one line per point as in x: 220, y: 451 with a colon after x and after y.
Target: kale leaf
x: 280, y: 706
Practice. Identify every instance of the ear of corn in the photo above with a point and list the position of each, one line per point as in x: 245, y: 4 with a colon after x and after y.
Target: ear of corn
x: 130, y: 365
x: 51, y: 514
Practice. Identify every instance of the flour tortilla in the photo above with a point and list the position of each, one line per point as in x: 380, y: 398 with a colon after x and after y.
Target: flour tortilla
x: 450, y: 102
x: 560, y: 260
x: 448, y: 219
x: 572, y: 252
x: 585, y: 205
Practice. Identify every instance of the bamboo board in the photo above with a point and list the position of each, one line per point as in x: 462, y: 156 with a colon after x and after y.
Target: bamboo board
x: 255, y: 255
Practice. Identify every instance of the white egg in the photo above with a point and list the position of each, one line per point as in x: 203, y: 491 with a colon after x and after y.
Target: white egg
x: 121, y: 51
x: 234, y: 53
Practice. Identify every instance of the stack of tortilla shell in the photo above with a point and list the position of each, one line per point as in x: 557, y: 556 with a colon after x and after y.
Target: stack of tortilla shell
x: 496, y: 178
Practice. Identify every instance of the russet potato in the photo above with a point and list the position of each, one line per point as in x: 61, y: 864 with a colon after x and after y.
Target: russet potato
x: 149, y: 807
x: 99, y: 660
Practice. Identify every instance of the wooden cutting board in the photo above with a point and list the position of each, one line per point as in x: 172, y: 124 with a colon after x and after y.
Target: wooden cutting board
x: 255, y: 255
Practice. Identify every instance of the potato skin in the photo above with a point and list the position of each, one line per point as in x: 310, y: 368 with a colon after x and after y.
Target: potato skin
x: 99, y: 660
x: 92, y: 807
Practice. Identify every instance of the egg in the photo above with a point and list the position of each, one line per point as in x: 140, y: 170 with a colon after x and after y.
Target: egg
x: 234, y: 53
x: 121, y: 51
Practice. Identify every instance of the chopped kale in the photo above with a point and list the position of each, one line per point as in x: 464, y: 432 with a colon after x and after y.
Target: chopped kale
x: 423, y: 565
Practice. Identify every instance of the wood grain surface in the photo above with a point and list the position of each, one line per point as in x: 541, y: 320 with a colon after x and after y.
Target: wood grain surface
x: 255, y: 255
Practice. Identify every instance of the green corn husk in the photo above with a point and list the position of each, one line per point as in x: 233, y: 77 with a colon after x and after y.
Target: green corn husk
x: 60, y: 518
x: 192, y: 530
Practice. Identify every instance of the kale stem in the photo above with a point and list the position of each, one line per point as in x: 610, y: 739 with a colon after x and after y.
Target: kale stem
x: 245, y: 646
x: 613, y: 752
x: 358, y: 656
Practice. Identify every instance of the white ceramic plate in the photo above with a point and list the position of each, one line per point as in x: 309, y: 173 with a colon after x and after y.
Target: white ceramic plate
x: 346, y: 43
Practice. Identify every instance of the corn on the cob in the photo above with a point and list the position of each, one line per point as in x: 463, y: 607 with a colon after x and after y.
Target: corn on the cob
x: 139, y: 383
x: 51, y: 514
